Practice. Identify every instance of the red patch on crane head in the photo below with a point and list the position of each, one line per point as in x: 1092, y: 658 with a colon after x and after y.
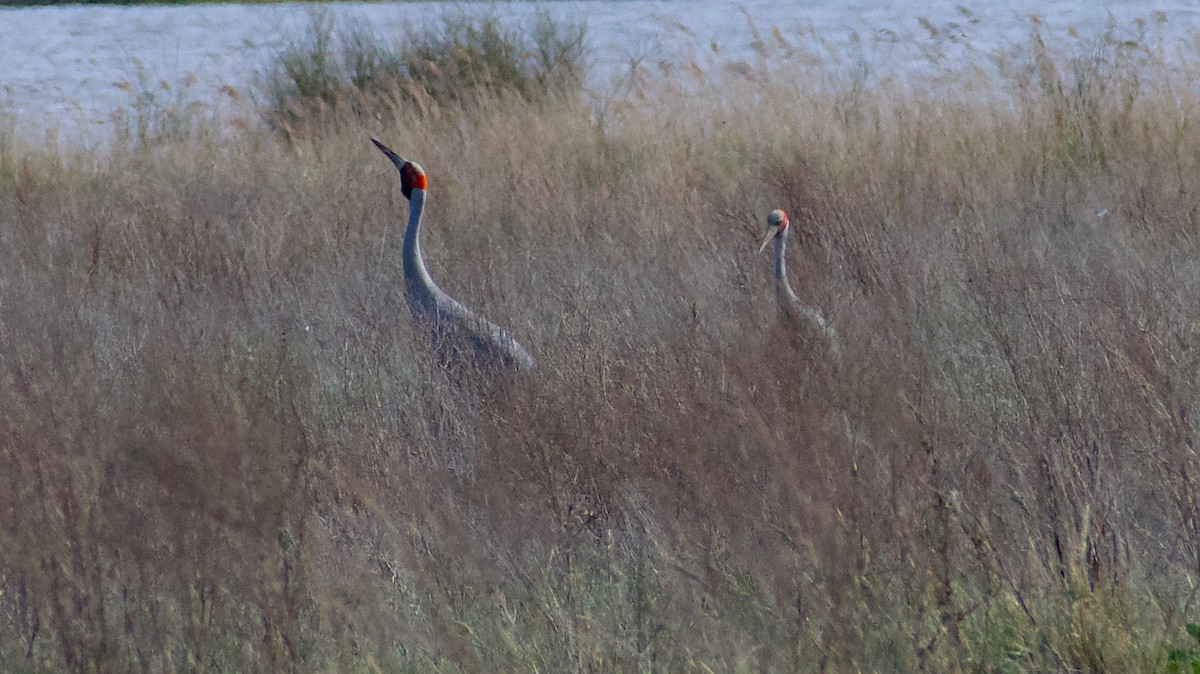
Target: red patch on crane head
x: 778, y: 219
x: 412, y: 177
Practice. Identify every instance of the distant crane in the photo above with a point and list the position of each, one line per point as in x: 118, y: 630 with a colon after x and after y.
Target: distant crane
x: 795, y: 310
x: 453, y: 325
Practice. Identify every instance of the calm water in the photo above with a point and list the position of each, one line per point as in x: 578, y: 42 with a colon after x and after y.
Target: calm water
x: 79, y: 66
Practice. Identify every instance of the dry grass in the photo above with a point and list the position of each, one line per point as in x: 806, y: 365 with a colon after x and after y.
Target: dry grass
x: 225, y: 449
x: 464, y: 61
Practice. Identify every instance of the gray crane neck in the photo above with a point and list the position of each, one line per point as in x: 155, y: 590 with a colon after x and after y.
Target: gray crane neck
x: 780, y: 258
x: 415, y: 271
x: 782, y: 287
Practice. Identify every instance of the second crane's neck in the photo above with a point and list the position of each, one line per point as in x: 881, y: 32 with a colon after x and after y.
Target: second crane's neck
x: 780, y: 258
x: 415, y: 272
x: 782, y: 287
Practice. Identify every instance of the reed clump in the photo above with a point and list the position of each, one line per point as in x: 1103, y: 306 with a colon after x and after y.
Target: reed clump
x: 225, y: 448
x: 461, y: 61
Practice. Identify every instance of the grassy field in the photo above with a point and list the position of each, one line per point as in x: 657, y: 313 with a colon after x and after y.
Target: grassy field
x: 225, y: 449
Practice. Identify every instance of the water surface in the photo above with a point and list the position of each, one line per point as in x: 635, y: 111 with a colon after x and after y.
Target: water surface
x: 80, y: 66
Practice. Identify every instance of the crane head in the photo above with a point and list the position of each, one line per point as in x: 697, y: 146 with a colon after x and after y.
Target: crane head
x: 777, y: 224
x: 412, y: 176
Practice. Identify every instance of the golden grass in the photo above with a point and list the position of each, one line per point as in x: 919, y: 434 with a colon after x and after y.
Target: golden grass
x: 225, y: 449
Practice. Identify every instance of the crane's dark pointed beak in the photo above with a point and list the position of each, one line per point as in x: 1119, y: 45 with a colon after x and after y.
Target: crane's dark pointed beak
x: 771, y: 232
x: 396, y: 159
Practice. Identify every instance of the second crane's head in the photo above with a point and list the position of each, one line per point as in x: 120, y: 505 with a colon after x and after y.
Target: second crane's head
x: 777, y: 227
x: 412, y: 176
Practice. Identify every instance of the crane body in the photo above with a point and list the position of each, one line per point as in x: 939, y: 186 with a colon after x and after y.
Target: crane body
x: 454, y: 327
x: 796, y: 311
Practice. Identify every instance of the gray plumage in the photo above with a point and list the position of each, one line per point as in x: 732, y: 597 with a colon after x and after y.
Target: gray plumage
x: 795, y: 310
x: 452, y: 324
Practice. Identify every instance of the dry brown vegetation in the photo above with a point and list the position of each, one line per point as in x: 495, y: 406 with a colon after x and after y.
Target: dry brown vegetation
x: 224, y: 448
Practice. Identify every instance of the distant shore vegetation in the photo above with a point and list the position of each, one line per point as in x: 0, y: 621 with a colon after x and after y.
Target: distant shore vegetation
x: 465, y: 60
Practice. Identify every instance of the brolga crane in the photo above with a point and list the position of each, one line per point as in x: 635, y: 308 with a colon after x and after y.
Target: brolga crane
x: 791, y: 306
x: 453, y: 325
